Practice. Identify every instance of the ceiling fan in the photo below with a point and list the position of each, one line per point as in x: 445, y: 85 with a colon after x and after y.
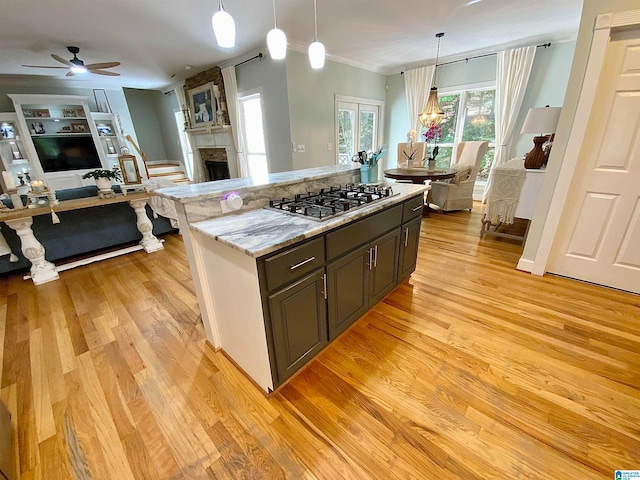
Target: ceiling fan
x: 77, y: 66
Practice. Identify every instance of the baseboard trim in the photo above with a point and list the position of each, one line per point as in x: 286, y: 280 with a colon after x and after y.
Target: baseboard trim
x: 525, y: 265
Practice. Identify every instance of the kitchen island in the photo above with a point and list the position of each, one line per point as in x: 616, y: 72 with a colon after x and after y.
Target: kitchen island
x: 275, y: 288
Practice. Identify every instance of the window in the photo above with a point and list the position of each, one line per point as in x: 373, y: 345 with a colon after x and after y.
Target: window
x: 357, y: 126
x: 185, y: 145
x: 253, y: 133
x: 476, y: 123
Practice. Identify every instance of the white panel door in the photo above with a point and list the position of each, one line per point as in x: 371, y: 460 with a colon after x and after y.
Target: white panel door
x: 599, y: 237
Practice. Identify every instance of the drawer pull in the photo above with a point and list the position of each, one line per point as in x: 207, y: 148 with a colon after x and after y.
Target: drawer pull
x: 415, y: 209
x: 304, y: 262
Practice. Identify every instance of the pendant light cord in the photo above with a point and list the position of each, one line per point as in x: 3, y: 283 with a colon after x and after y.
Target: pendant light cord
x: 435, y: 71
x: 315, y: 20
x: 220, y: 6
x: 275, y: 22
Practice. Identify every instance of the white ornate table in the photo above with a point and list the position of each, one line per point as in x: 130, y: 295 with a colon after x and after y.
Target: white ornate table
x: 43, y: 271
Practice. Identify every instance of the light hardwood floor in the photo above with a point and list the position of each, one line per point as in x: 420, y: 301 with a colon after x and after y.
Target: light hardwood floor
x: 468, y: 370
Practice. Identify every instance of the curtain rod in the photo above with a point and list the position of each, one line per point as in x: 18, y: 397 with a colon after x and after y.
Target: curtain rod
x: 249, y: 59
x: 545, y: 45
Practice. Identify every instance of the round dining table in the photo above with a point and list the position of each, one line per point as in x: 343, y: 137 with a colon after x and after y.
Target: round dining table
x: 418, y: 175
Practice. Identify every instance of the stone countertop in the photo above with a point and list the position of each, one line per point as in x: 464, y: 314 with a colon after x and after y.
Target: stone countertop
x: 202, y: 191
x: 263, y: 231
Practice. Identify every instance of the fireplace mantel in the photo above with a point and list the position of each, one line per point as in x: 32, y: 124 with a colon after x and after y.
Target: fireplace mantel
x: 214, y: 137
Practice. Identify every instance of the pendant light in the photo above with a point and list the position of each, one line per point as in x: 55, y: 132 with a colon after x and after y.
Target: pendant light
x: 432, y: 113
x: 316, y: 49
x: 224, y: 28
x: 276, y: 39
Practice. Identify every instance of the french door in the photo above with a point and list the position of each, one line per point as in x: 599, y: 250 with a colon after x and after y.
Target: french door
x: 358, y: 126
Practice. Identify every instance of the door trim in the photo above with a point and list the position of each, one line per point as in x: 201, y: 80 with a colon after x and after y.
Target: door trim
x: 605, y: 25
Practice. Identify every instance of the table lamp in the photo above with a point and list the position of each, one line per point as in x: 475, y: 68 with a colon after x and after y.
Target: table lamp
x: 543, y: 121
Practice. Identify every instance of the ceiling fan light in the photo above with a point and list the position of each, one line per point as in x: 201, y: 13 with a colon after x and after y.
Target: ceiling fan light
x: 224, y: 29
x: 277, y: 43
x: 78, y: 69
x: 316, y: 55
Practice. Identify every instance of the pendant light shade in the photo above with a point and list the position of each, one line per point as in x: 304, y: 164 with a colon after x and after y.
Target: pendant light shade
x: 224, y: 28
x: 276, y: 39
x: 316, y: 49
x: 432, y: 113
x: 316, y: 55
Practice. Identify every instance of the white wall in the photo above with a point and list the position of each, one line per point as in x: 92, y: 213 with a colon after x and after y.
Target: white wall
x: 312, y: 104
x: 270, y: 77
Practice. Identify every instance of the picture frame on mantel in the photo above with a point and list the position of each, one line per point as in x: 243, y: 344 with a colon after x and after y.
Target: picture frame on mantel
x: 203, y: 105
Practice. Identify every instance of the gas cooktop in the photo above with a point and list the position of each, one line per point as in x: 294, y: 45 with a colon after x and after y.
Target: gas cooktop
x: 329, y: 202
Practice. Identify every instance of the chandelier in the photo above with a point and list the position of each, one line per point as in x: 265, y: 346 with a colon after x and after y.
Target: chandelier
x: 432, y: 113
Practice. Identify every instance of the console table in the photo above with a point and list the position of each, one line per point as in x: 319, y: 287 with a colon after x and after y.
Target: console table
x: 43, y: 271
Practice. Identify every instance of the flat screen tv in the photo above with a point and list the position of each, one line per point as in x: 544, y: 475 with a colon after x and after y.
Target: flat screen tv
x: 59, y: 154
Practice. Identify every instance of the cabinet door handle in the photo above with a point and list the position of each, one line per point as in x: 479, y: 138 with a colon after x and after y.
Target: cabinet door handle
x: 375, y: 256
x: 370, y: 258
x: 415, y: 209
x: 406, y: 236
x: 324, y: 285
x: 310, y: 259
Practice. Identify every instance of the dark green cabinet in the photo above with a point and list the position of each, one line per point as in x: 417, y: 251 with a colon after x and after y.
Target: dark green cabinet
x: 313, y: 291
x: 383, y: 273
x: 408, y: 252
x: 347, y: 290
x: 299, y: 323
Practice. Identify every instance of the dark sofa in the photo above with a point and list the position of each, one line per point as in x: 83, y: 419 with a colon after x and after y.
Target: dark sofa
x: 81, y: 231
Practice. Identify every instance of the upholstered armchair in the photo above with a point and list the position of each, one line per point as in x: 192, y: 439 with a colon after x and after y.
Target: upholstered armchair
x: 416, y: 151
x: 457, y: 193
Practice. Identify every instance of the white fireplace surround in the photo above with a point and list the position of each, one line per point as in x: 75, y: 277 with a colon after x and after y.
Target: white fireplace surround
x: 214, y: 137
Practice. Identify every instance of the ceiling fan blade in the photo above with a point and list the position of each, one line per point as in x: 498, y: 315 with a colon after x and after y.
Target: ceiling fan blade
x: 61, y: 60
x: 104, y: 72
x: 42, y: 66
x: 70, y: 74
x: 96, y: 66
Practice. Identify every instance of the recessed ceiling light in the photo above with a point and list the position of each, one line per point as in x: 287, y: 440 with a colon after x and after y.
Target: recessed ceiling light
x: 188, y: 67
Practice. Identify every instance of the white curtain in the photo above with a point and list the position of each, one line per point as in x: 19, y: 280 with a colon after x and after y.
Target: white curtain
x: 417, y: 83
x: 512, y: 76
x: 231, y: 92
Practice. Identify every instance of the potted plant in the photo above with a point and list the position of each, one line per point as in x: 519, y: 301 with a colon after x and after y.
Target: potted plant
x: 103, y: 178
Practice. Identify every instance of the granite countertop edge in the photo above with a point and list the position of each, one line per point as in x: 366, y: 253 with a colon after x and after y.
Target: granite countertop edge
x: 202, y: 191
x: 262, y: 231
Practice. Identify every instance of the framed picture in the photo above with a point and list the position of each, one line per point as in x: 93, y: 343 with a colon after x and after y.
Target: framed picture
x: 7, y: 130
x: 37, y: 128
x: 28, y: 113
x: 79, y: 128
x: 129, y: 169
x: 80, y: 112
x: 68, y: 112
x: 43, y: 112
x: 111, y: 148
x: 15, y: 151
x: 203, y: 106
x: 104, y: 130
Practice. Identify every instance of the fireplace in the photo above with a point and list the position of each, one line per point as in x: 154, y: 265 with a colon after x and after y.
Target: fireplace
x: 215, y: 163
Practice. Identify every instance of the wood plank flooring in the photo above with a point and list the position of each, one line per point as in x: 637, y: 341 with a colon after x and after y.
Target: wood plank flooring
x: 468, y: 370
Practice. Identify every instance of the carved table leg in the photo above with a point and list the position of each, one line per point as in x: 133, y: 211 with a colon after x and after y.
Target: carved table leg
x: 41, y: 270
x: 149, y: 242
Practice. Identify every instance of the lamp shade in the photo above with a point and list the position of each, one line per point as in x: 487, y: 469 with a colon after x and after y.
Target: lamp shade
x: 224, y: 29
x: 316, y: 55
x: 541, y: 120
x: 277, y: 43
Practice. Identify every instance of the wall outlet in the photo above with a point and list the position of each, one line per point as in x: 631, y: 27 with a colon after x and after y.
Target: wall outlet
x: 301, y: 149
x: 329, y: 146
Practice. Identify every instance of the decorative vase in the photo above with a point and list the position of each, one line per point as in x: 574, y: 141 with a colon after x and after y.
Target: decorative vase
x: 431, y: 165
x: 104, y: 185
